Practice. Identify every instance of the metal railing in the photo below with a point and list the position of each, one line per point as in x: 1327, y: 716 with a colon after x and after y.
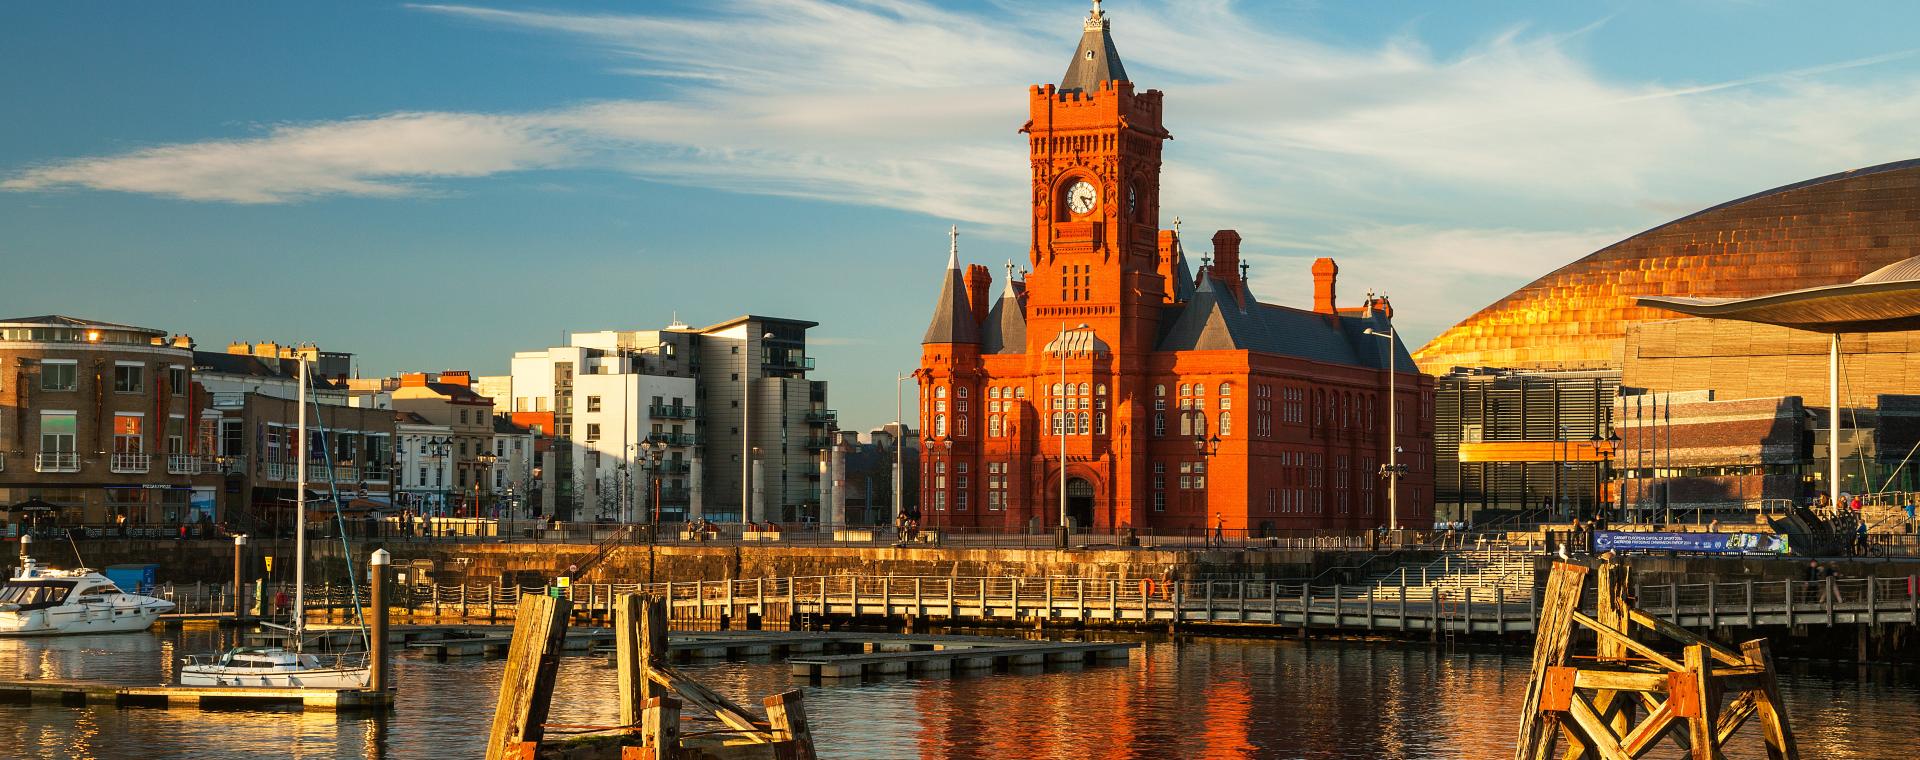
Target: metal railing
x: 129, y: 462
x: 671, y: 411
x: 183, y: 464
x: 57, y: 461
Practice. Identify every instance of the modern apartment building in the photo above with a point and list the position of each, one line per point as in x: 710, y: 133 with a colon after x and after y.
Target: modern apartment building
x: 680, y: 418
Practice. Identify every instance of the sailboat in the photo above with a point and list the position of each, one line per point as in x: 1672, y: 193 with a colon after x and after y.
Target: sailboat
x: 287, y: 666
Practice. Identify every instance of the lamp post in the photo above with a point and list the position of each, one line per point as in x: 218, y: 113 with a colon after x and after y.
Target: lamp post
x: 656, y: 451
x: 1206, y: 447
x: 746, y: 428
x: 1605, y: 448
x: 899, y: 451
x: 239, y: 568
x: 1060, y: 421
x: 485, y: 461
x: 1392, y: 469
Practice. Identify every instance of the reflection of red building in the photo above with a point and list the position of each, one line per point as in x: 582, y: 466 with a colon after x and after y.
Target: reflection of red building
x: 1155, y: 358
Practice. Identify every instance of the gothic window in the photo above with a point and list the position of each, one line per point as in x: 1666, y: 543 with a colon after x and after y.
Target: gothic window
x: 1200, y: 424
x: 1020, y: 392
x: 1226, y: 423
x: 1226, y: 390
x: 960, y: 405
x: 960, y: 392
x: 940, y: 392
x: 1159, y: 424
x: 1186, y: 424
x: 1159, y: 390
x: 939, y: 406
x: 940, y: 425
x: 993, y: 427
x: 1100, y: 390
x: 1057, y: 422
x: 993, y: 392
x: 1056, y: 390
x: 1100, y: 424
x: 960, y: 425
x: 1083, y: 389
x: 1083, y: 423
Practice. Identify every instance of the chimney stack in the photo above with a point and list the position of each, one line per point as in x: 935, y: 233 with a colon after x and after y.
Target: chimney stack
x: 979, y: 281
x: 1226, y: 257
x: 1324, y: 273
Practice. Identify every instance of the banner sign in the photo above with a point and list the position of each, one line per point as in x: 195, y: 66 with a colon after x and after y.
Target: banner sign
x: 1717, y: 543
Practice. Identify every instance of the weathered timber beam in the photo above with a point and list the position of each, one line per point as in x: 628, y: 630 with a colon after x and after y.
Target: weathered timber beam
x: 1618, y: 681
x: 1685, y: 636
x: 526, y: 685
x: 1609, y: 634
x: 698, y: 695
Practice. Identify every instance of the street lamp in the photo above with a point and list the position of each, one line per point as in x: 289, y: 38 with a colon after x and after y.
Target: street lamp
x: 656, y: 451
x: 899, y: 451
x: 1392, y: 470
x: 485, y: 461
x: 1061, y: 420
x: 1206, y: 447
x: 1604, y: 447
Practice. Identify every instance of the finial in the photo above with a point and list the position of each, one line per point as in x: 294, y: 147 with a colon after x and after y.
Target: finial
x: 1176, y: 226
x: 953, y: 247
x: 1008, y: 291
x: 1206, y: 260
x: 1096, y: 8
x: 1243, y: 270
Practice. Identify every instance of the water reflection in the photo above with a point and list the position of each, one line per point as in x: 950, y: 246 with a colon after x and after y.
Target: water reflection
x: 1190, y: 698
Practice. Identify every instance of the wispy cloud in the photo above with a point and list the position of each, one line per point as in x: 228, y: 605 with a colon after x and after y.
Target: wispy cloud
x: 1501, y: 161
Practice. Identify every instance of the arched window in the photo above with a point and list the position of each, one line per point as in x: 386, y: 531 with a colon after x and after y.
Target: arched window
x: 940, y: 392
x: 1186, y: 390
x: 1056, y: 389
x: 1083, y: 389
x: 1057, y: 422
x: 960, y: 426
x: 1083, y: 424
x: 993, y: 392
x: 1226, y: 423
x: 1020, y: 392
x: 1226, y: 390
x: 1159, y: 391
x: 1159, y: 424
x: 940, y: 425
x: 993, y: 427
x: 1100, y: 424
x: 961, y: 391
x: 960, y: 405
x: 1199, y: 424
x: 1100, y: 390
x: 1186, y: 423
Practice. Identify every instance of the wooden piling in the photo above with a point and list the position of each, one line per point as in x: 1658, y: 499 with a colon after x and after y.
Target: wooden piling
x: 526, y: 686
x: 793, y: 740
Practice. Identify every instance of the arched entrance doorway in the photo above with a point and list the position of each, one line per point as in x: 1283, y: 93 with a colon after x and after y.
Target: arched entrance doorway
x: 1080, y: 503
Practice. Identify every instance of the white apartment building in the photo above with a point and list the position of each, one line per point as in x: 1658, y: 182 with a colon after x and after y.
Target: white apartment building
x: 513, y: 478
x: 666, y: 411
x: 623, y: 416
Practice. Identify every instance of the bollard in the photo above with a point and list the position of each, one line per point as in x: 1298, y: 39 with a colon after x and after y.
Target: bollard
x: 378, y: 653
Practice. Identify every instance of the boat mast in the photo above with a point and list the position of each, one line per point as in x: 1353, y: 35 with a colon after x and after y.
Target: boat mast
x: 300, y: 516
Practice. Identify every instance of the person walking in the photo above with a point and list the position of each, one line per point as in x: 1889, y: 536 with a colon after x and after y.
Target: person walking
x: 1219, y: 530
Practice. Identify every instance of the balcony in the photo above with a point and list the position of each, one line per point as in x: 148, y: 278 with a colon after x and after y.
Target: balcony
x: 130, y: 463
x: 375, y: 474
x: 187, y: 464
x: 670, y: 411
x: 674, y: 439
x: 339, y: 473
x: 228, y: 465
x: 675, y: 495
x: 58, y: 461
x: 820, y: 442
x: 675, y: 468
x: 802, y: 365
x: 822, y: 416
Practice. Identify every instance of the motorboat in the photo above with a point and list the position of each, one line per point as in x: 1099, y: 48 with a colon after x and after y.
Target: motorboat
x: 289, y: 666
x: 277, y: 666
x: 40, y: 601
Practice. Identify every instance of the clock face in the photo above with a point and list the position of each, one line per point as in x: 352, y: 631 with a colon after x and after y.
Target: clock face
x: 1081, y: 196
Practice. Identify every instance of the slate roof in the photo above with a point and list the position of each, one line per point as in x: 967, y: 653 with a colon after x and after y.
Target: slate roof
x: 952, y: 318
x: 1213, y: 320
x: 1006, y: 324
x: 239, y: 364
x: 1095, y: 60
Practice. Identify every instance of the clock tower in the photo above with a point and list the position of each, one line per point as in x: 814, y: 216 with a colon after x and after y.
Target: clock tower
x: 1094, y: 147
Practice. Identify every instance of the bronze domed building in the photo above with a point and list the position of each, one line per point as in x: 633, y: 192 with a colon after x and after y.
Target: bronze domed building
x: 1822, y: 231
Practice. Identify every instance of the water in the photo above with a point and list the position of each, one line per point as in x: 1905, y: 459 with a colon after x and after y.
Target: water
x: 1198, y: 697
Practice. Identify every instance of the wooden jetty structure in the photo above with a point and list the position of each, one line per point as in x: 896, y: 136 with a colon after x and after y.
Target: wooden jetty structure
x: 1595, y: 702
x: 81, y: 694
x: 652, y: 693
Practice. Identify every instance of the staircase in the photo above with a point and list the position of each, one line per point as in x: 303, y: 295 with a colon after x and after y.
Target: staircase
x: 586, y: 564
x: 1488, y: 570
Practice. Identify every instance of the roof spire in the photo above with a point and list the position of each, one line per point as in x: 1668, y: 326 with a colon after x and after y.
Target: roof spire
x: 1095, y: 61
x: 953, y: 320
x: 953, y: 247
x: 1008, y: 292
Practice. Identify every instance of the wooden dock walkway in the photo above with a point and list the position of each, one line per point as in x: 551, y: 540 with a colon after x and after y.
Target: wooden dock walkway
x: 935, y: 657
x: 76, y: 694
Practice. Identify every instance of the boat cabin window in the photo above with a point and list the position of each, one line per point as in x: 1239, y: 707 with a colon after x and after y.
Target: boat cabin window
x: 100, y: 588
x: 35, y: 592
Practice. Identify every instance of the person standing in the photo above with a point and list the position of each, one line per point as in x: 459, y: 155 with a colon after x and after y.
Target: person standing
x: 1219, y: 530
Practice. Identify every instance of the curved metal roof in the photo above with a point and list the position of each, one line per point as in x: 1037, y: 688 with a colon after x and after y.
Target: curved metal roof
x: 1886, y: 300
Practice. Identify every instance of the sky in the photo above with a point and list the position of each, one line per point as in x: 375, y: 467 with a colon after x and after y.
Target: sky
x: 436, y: 186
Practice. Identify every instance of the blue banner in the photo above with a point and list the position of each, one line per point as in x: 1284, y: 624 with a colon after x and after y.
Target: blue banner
x: 1717, y: 543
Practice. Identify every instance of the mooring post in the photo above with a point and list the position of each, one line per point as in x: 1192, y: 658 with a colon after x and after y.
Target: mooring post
x: 788, y: 719
x: 660, y: 727
x: 378, y: 653
x: 526, y: 686
x: 239, y: 573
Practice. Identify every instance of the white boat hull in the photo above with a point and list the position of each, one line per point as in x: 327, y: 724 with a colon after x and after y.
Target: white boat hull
x: 349, y: 678
x: 74, y: 622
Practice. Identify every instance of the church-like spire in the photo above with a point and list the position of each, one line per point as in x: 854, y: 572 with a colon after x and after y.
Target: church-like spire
x: 1096, y: 60
x: 952, y: 317
x: 1006, y: 329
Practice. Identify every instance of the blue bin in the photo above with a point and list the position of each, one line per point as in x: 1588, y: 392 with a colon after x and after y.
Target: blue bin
x: 137, y: 579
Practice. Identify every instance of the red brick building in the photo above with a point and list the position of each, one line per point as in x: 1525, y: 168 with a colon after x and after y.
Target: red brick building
x: 1184, y: 396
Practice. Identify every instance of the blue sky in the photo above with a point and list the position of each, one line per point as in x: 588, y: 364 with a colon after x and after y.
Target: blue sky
x: 437, y: 186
